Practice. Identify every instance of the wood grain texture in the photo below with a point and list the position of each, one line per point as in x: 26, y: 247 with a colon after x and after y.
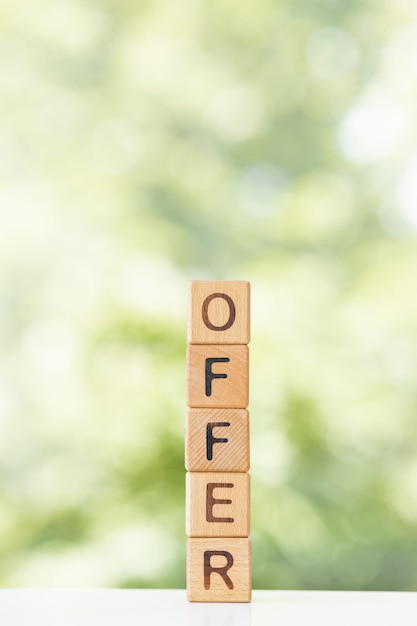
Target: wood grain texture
x: 217, y: 504
x: 217, y: 440
x: 218, y: 376
x: 219, y: 570
x: 219, y: 312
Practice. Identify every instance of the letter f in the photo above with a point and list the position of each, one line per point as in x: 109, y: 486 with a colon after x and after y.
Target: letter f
x: 211, y: 375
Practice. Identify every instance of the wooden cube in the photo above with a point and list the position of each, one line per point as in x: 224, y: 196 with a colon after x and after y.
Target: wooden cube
x: 217, y: 440
x: 217, y: 504
x: 219, y: 312
x: 218, y: 376
x: 219, y: 570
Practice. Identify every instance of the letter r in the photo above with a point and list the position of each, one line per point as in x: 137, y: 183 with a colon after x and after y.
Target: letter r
x: 209, y: 569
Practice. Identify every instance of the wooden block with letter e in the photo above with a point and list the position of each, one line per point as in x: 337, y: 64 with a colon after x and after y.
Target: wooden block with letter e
x: 218, y: 376
x: 219, y: 570
x: 219, y: 312
x: 217, y: 504
x: 217, y: 440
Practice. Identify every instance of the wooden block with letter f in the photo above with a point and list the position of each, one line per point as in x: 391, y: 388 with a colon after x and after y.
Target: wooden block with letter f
x: 217, y: 443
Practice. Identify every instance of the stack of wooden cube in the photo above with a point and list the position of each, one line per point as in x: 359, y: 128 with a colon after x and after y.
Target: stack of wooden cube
x: 217, y: 443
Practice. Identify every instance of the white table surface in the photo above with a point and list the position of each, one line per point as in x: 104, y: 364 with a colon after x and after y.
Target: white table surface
x: 137, y: 607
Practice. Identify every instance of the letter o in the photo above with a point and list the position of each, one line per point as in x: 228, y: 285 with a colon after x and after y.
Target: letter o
x: 232, y: 311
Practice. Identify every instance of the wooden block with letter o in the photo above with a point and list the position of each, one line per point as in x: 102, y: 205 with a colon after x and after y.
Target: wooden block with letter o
x: 219, y: 570
x: 219, y: 312
x: 218, y: 376
x: 217, y: 440
x: 217, y: 504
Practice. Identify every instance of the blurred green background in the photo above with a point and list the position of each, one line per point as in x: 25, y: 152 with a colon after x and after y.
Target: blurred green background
x: 144, y: 144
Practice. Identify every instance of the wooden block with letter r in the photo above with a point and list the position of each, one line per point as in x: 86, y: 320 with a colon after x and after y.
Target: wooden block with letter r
x: 217, y: 504
x: 219, y: 312
x: 218, y: 376
x: 217, y: 440
x: 219, y: 570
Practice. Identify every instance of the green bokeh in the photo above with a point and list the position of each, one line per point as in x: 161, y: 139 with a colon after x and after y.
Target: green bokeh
x: 144, y: 144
